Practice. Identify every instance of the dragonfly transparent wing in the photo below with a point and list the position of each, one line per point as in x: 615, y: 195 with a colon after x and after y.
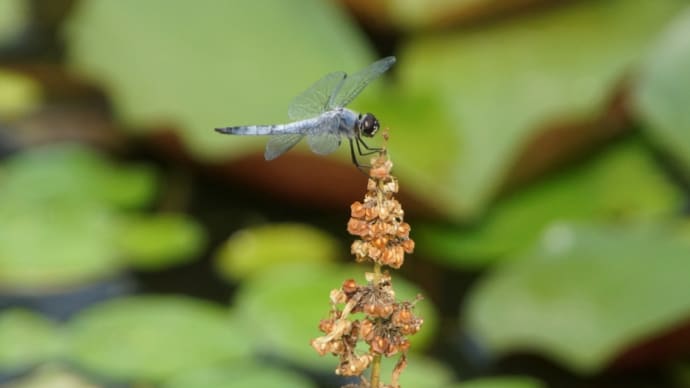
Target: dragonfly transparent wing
x: 280, y: 144
x: 323, y: 138
x: 324, y: 143
x: 317, y: 98
x: 355, y: 83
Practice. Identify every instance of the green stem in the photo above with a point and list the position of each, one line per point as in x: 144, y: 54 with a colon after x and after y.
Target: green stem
x: 375, y: 371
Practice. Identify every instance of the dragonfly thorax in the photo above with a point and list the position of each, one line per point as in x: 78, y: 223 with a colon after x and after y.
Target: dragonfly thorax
x: 367, y: 125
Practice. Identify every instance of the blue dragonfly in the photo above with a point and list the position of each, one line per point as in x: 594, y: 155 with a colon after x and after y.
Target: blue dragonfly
x: 320, y: 115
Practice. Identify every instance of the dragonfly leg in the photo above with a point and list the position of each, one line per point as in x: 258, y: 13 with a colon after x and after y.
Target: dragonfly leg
x: 361, y: 167
x: 371, y: 150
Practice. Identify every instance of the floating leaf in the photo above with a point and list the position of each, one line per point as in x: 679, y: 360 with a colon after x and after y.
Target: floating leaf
x: 161, y: 240
x: 500, y: 382
x: 584, y: 294
x: 283, y: 307
x: 421, y: 372
x: 43, y: 247
x: 59, y: 206
x: 27, y: 339
x: 19, y: 94
x: 154, y: 337
x: 214, y: 65
x: 501, y: 84
x: 239, y: 375
x: 74, y: 174
x: 14, y: 16
x: 663, y: 90
x: 253, y: 250
x: 622, y: 184
x: 52, y: 376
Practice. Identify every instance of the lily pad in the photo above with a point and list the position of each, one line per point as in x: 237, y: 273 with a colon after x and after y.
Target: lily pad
x: 160, y: 240
x: 27, y: 339
x: 501, y: 85
x: 217, y: 64
x: 14, y: 16
x: 154, y: 337
x: 60, y: 207
x: 239, y: 375
x: 283, y: 306
x: 19, y: 94
x: 584, y: 294
x: 663, y: 90
x: 252, y: 250
x: 421, y: 372
x: 67, y: 174
x: 500, y: 382
x: 622, y: 184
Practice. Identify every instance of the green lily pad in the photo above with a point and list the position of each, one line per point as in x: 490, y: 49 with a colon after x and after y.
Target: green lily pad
x: 27, y: 339
x: 60, y: 210
x: 500, y: 382
x: 19, y: 94
x: 283, y: 306
x: 154, y: 337
x: 14, y: 16
x: 52, y: 376
x: 161, y: 240
x: 214, y: 65
x: 45, y: 247
x: 74, y: 174
x: 502, y: 84
x: 623, y: 184
x: 239, y: 375
x: 584, y: 294
x: 662, y: 91
x: 253, y: 250
x: 421, y: 372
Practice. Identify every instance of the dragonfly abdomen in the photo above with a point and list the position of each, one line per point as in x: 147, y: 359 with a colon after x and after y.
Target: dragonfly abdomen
x: 277, y: 129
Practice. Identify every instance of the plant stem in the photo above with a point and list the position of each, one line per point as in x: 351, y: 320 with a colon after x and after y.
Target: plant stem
x: 375, y: 371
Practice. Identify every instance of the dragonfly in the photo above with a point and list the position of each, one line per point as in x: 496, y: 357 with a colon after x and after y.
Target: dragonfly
x: 320, y: 115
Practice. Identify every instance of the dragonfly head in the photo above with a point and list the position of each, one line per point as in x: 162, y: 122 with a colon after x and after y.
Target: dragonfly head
x: 368, y: 125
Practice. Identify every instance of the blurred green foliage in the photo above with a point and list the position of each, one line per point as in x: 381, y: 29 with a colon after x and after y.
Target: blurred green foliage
x: 66, y: 214
x: 622, y: 185
x: 584, y: 293
x: 662, y: 94
x: 27, y: 339
x: 252, y: 250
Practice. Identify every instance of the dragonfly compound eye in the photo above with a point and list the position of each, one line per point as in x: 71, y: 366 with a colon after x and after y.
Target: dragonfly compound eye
x: 369, y: 125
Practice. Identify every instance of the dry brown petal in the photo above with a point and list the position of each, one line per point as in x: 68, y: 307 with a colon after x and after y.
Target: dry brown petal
x: 357, y: 210
x: 408, y: 245
x: 326, y: 325
x: 380, y: 242
x: 403, y: 230
x: 357, y: 227
x: 379, y: 345
x: 349, y: 287
x: 373, y: 252
x: 390, y: 186
x: 337, y: 296
x: 377, y: 228
x: 371, y: 185
x: 371, y: 213
x: 367, y: 329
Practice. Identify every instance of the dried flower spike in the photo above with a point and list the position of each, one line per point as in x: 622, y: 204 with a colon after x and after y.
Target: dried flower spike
x: 384, y: 238
x: 378, y: 221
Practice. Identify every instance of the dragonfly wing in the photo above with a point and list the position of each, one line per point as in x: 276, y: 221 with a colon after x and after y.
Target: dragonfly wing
x: 316, y: 99
x: 324, y: 138
x: 280, y: 144
x: 355, y: 83
x: 324, y: 143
